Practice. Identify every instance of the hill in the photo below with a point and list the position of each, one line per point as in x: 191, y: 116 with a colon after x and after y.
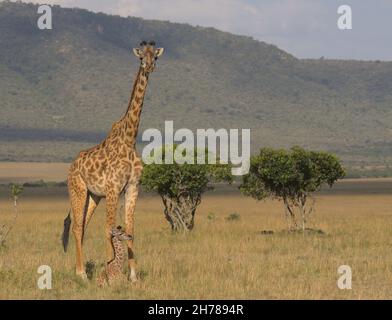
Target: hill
x: 62, y: 89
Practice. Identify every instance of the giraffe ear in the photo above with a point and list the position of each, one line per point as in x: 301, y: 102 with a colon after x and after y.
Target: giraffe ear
x: 158, y: 52
x: 137, y: 52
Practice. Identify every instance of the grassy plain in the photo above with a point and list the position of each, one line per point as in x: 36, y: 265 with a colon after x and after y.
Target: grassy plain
x: 220, y: 259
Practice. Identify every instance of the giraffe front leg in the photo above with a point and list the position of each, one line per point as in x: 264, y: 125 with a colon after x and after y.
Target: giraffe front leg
x: 131, y: 196
x: 111, y: 210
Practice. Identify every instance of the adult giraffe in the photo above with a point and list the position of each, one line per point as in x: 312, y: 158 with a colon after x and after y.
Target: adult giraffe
x: 109, y: 169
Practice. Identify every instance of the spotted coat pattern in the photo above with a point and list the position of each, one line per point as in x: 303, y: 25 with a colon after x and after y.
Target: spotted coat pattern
x: 114, y: 268
x: 112, y: 168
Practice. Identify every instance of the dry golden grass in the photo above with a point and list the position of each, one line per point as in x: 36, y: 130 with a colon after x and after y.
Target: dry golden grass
x: 219, y: 259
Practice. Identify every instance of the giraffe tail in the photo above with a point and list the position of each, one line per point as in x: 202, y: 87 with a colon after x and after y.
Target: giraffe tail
x: 67, y: 226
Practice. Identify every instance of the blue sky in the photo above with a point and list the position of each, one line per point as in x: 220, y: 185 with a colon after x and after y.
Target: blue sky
x: 305, y: 28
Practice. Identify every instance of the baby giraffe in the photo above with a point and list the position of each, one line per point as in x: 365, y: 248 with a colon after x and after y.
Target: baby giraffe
x: 114, y: 268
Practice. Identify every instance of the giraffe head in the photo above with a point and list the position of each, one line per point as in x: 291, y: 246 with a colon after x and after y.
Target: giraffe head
x: 120, y: 234
x: 148, y: 54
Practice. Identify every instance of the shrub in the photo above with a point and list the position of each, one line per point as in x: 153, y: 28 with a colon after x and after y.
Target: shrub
x: 182, y: 185
x: 211, y: 216
x: 233, y: 217
x: 291, y: 176
x: 5, y: 229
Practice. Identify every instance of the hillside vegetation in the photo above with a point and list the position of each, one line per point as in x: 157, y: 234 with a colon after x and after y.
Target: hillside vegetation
x: 62, y: 89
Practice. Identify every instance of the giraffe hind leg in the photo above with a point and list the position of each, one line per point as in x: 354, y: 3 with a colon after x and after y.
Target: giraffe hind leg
x: 79, y: 203
x: 91, y: 205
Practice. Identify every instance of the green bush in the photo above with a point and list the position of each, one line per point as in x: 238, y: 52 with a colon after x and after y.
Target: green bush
x: 291, y: 176
x: 182, y: 185
x: 233, y: 217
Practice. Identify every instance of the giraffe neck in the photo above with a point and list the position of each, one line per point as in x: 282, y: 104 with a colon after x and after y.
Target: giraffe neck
x: 119, y: 251
x: 132, y: 116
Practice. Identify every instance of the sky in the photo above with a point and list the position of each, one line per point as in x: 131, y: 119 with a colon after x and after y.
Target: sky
x: 304, y: 28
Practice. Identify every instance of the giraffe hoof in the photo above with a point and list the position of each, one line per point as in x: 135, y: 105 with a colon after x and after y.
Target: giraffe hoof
x: 133, y: 278
x: 82, y: 275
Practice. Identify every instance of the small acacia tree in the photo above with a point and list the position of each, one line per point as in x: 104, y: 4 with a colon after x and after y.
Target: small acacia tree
x: 291, y: 176
x: 182, y: 185
x: 5, y: 229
